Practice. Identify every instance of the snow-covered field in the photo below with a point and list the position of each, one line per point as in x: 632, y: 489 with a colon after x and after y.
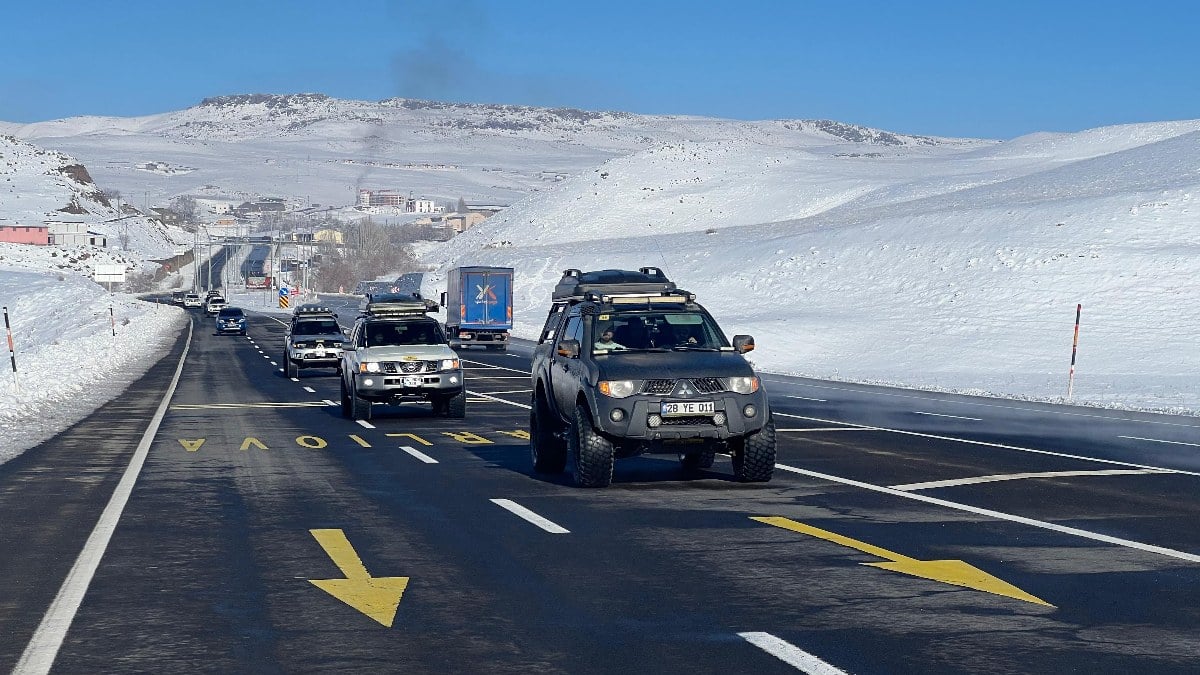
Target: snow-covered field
x: 951, y: 265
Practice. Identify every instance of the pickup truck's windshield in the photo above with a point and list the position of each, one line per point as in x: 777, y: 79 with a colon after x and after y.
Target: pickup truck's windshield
x: 403, y: 333
x: 317, y: 327
x: 656, y: 330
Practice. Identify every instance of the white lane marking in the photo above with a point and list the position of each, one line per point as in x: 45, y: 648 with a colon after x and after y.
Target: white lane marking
x: 488, y: 365
x: 500, y: 400
x: 1022, y: 476
x: 294, y: 379
x: 365, y: 424
x: 805, y: 398
x: 953, y: 417
x: 43, y: 647
x: 476, y: 376
x: 1063, y: 529
x: 517, y: 356
x: 514, y: 391
x: 1018, y: 448
x: 791, y: 654
x: 987, y: 405
x: 266, y: 357
x: 310, y: 390
x: 524, y: 513
x: 274, y: 364
x: 328, y: 402
x: 825, y: 429
x: 418, y: 454
x: 1156, y: 440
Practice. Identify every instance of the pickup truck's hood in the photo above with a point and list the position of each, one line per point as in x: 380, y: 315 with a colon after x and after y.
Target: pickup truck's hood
x: 407, y: 352
x: 671, y: 365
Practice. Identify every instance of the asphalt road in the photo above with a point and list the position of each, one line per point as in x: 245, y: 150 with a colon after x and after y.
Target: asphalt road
x: 1074, y: 532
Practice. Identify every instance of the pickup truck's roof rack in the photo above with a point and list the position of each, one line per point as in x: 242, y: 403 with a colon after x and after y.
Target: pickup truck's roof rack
x: 398, y: 304
x: 577, y: 285
x: 313, y: 310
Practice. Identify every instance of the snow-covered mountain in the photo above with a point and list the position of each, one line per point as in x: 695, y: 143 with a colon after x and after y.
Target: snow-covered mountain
x: 323, y: 149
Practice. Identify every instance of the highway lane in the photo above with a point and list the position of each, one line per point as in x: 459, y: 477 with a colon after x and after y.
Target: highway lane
x: 209, y: 568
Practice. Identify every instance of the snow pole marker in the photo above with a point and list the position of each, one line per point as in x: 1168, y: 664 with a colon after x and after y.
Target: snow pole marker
x: 1074, y: 349
x: 12, y: 353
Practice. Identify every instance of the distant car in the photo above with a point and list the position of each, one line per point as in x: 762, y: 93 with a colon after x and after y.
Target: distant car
x: 231, y: 320
x: 177, y: 297
x: 214, y: 304
x: 192, y: 300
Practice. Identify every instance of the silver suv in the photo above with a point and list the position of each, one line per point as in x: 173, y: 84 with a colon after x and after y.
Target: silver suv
x: 314, y: 340
x: 397, y: 354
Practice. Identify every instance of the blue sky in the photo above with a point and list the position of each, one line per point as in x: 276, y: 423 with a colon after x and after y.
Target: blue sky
x: 983, y: 68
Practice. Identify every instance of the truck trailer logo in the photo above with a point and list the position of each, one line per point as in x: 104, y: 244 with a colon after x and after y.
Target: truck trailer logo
x: 485, y: 295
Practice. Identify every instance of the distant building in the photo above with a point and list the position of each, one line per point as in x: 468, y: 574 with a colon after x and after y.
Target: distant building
x: 461, y: 222
x: 372, y: 201
x: 74, y: 234
x: 168, y: 216
x: 38, y: 235
x: 329, y: 237
x: 486, y: 208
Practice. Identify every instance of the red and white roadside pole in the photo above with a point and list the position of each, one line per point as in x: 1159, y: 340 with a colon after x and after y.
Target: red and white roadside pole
x: 1074, y: 349
x: 12, y: 353
x: 112, y: 319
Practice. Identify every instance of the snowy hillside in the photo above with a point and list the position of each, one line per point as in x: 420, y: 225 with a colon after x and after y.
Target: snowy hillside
x: 908, y: 265
x: 39, y: 185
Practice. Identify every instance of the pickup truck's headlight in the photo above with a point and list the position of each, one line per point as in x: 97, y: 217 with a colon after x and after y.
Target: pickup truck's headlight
x: 448, y: 364
x: 368, y: 367
x: 618, y: 388
x: 743, y: 385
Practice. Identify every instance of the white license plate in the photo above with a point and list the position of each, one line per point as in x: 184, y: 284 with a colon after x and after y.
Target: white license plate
x: 411, y: 381
x: 678, y: 408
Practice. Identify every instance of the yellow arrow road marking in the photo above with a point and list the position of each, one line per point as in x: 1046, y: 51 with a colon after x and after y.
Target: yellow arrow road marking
x: 377, y: 597
x: 954, y: 572
x: 191, y: 445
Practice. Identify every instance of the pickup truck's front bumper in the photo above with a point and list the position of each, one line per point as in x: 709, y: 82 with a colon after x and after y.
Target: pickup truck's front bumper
x: 640, y: 418
x: 406, y: 387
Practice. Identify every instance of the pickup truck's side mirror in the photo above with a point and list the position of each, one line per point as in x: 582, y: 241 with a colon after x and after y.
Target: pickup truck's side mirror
x: 569, y: 348
x: 743, y: 343
x: 345, y: 331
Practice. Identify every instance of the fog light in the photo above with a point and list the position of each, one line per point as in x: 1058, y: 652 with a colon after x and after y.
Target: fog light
x: 368, y: 382
x: 750, y: 411
x: 653, y: 421
x: 453, y: 379
x: 719, y: 418
x: 616, y: 415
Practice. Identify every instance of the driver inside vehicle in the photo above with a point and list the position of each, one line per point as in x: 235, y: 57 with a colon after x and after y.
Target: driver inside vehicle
x: 605, y: 343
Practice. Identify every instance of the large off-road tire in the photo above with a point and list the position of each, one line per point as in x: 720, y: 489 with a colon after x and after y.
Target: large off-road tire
x: 347, y: 411
x: 360, y: 409
x: 754, y: 456
x: 695, y: 460
x: 456, y: 406
x: 290, y: 366
x: 546, y: 449
x: 593, y: 453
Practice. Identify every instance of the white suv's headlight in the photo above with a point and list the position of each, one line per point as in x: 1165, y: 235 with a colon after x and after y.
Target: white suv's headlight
x: 743, y: 385
x: 368, y: 367
x: 618, y: 388
x: 448, y: 364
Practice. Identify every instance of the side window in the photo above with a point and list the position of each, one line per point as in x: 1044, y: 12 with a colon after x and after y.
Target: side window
x: 552, y: 322
x: 574, y: 329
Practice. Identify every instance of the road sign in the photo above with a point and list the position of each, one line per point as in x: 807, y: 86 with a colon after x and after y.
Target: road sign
x: 284, y: 298
x: 109, y: 273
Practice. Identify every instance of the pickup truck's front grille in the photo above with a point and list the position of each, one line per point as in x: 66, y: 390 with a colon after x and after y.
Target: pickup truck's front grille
x: 695, y: 420
x: 409, y: 367
x: 709, y: 385
x: 658, y: 387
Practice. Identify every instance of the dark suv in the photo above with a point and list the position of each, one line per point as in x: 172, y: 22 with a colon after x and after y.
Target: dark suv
x: 629, y: 364
x: 314, y: 340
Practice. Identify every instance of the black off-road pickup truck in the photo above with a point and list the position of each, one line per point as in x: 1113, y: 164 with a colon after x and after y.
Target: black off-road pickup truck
x: 628, y: 364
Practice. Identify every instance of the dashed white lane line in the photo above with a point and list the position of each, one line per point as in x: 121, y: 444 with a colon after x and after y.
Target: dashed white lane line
x: 1063, y: 529
x: 488, y: 366
x: 825, y: 429
x: 1156, y: 440
x: 294, y: 379
x: 525, y: 514
x: 328, y: 402
x: 310, y: 390
x: 953, y: 417
x: 805, y: 398
x: 514, y: 391
x: 365, y: 424
x: 929, y: 485
x: 418, y: 454
x: 967, y: 441
x: 791, y: 654
x: 274, y: 364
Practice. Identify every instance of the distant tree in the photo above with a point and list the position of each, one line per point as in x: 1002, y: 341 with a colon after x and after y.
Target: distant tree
x: 186, y: 207
x: 462, y: 205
